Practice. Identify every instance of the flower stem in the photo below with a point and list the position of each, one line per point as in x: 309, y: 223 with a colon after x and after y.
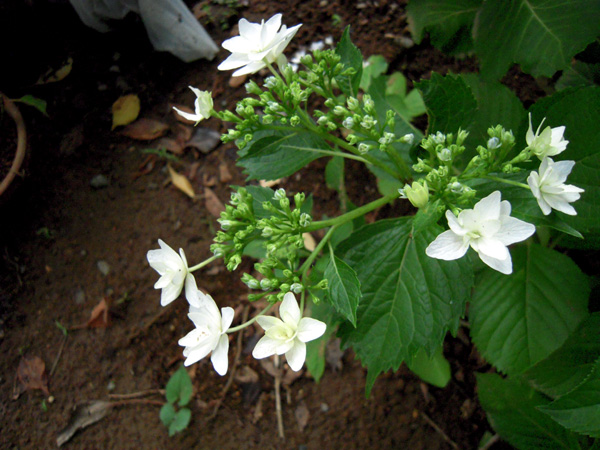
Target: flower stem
x: 330, y: 153
x: 249, y: 322
x: 352, y: 214
x: 505, y: 181
x: 203, y: 263
x: 304, y: 268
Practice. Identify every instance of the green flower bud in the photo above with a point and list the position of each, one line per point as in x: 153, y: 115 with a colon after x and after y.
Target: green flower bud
x: 340, y: 111
x: 280, y: 194
x: 364, y: 148
x: 368, y: 122
x: 305, y: 220
x: 368, y: 103
x: 353, y: 104
x: 267, y: 119
x: 348, y: 123
x: 296, y: 288
x: 407, y: 138
x: 417, y: 194
x: 265, y: 284
x: 294, y: 121
x: 307, y: 60
x: 253, y: 88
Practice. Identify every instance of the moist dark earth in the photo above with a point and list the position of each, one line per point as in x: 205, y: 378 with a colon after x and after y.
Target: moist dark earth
x: 66, y: 245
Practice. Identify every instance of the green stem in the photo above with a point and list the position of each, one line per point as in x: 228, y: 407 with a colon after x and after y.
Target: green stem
x: 403, y: 168
x: 505, y: 181
x: 329, y: 152
x: 351, y: 215
x: 250, y: 322
x: 203, y: 263
x: 304, y: 268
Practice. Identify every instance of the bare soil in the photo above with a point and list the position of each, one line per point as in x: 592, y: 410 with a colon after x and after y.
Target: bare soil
x: 66, y: 245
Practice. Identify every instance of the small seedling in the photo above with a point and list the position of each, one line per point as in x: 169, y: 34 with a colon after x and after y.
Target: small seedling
x: 178, y: 391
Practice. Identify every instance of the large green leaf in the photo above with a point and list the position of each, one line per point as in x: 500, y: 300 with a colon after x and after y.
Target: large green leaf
x: 409, y: 300
x: 540, y: 35
x: 344, y: 287
x: 518, y: 320
x: 316, y: 349
x: 449, y: 101
x: 578, y: 75
x: 579, y: 410
x: 578, y: 110
x: 512, y: 411
x: 571, y: 364
x: 448, y: 22
x: 280, y: 155
x: 434, y: 370
x: 351, y: 58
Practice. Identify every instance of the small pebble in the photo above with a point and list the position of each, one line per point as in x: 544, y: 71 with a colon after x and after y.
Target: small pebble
x: 99, y: 182
x: 111, y: 386
x: 324, y: 407
x: 79, y: 296
x: 103, y: 267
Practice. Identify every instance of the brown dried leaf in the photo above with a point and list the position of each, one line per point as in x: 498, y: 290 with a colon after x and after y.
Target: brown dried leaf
x: 269, y: 183
x: 258, y: 409
x: 52, y: 76
x: 99, y: 317
x: 172, y: 145
x: 182, y: 132
x: 145, y: 129
x: 237, y: 81
x: 290, y: 376
x: 267, y: 364
x: 183, y: 108
x: 224, y: 173
x: 309, y: 242
x: 84, y: 415
x: 213, y: 204
x: 246, y: 375
x: 125, y: 110
x: 302, y: 415
x: 181, y: 183
x: 31, y: 374
x: 208, y: 180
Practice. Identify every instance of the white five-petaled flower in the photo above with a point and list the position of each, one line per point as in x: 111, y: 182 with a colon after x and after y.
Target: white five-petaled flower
x: 549, y: 143
x: 174, y: 274
x: 549, y: 188
x: 257, y: 45
x: 289, y: 334
x: 487, y: 228
x: 210, y: 334
x: 203, y: 106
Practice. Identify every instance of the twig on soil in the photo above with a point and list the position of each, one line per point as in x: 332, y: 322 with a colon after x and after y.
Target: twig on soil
x: 139, y: 401
x: 439, y: 430
x: 278, y: 398
x: 151, y: 322
x: 137, y: 394
x: 236, y: 360
x: 58, y: 355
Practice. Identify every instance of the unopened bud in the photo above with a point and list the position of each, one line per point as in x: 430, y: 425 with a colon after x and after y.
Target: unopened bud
x: 417, y: 194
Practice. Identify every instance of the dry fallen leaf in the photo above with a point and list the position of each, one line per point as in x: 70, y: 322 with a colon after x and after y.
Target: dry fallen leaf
x: 84, y: 415
x: 224, y: 173
x: 213, y: 204
x: 99, y: 317
x: 145, y: 129
x: 52, y: 76
x: 172, y: 145
x: 181, y: 183
x: 125, y: 110
x: 182, y: 132
x: 270, y: 183
x: 302, y: 415
x: 309, y: 242
x: 204, y: 139
x: 246, y: 375
x: 31, y: 374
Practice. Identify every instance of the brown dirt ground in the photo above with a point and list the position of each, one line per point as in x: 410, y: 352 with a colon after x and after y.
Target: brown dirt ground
x: 53, y: 276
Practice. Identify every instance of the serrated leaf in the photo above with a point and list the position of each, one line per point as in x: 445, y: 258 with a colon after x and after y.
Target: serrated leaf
x: 579, y: 410
x: 334, y: 173
x: 180, y: 421
x: 167, y: 414
x: 343, y: 287
x: 179, y: 387
x: 512, y: 411
x: 125, y: 110
x: 375, y: 66
x: 578, y: 110
x: 315, y: 349
x: 540, y: 35
x: 409, y: 300
x: 520, y: 319
x: 281, y: 155
x: 351, y: 58
x: 434, y: 370
x: 448, y: 22
x: 449, y: 101
x: 579, y: 74
x: 570, y: 365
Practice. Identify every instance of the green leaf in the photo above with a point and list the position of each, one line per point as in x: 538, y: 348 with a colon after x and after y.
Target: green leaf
x: 579, y: 74
x: 180, y: 421
x: 341, y: 233
x: 579, y: 410
x: 167, y: 414
x: 409, y: 300
x: 315, y: 349
x: 512, y: 411
x: 570, y: 365
x: 37, y: 103
x: 434, y: 370
x: 448, y: 22
x: 179, y: 387
x: 542, y: 36
x: 343, y: 286
x: 449, y: 101
x: 281, y: 155
x: 520, y: 319
x: 351, y: 58
x: 334, y: 173
x: 376, y: 65
x: 578, y: 110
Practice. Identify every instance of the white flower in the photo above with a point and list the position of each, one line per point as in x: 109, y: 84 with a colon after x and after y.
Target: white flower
x: 487, y: 228
x: 549, y: 143
x: 174, y: 273
x: 257, y: 45
x: 210, y: 334
x: 203, y: 105
x: 289, y: 334
x: 549, y: 188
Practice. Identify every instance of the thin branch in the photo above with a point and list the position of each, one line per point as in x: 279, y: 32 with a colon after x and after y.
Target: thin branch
x: 439, y: 430
x: 60, y: 350
x: 137, y: 394
x: 278, y: 399
x: 491, y: 441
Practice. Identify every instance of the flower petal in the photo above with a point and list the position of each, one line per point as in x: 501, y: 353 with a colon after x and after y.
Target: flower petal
x: 170, y: 293
x: 501, y: 265
x: 447, y: 246
x: 265, y: 347
x: 289, y: 310
x: 219, y: 357
x: 488, y: 208
x: 227, y: 314
x: 310, y: 329
x: 493, y: 248
x: 268, y: 322
x: 191, y: 290
x: 514, y: 230
x: 296, y: 355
